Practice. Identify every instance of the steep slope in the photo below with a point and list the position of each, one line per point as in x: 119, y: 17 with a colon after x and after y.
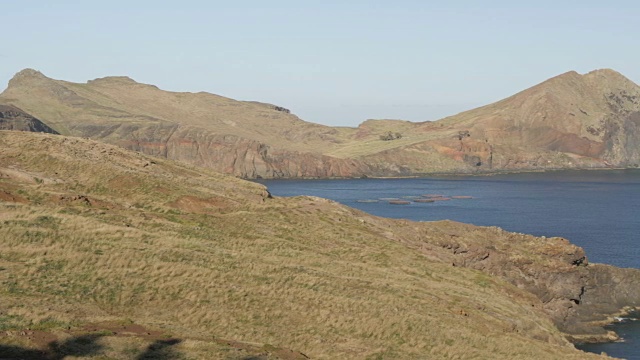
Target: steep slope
x: 95, y: 235
x: 590, y: 120
x: 570, y: 121
x: 12, y: 118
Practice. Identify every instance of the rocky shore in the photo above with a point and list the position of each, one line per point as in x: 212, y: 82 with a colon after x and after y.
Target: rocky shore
x: 580, y: 297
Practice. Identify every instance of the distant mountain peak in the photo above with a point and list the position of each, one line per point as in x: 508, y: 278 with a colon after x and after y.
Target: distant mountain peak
x: 568, y: 76
x: 570, y: 73
x: 26, y: 76
x: 608, y: 76
x: 572, y: 83
x: 604, y: 72
x: 598, y: 74
x: 28, y: 72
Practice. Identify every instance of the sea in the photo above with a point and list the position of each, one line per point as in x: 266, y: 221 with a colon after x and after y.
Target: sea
x: 598, y: 210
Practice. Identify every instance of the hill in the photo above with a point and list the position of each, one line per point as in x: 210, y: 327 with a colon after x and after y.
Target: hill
x: 110, y: 252
x: 570, y: 121
x: 247, y: 139
x: 116, y: 254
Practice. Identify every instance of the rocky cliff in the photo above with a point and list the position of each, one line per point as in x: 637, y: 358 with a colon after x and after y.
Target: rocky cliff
x: 12, y: 118
x: 569, y: 121
x: 580, y: 297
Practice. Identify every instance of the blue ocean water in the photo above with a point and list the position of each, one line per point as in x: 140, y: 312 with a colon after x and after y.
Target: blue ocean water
x: 597, y: 210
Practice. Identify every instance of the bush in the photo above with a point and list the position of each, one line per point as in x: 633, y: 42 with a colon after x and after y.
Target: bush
x: 390, y: 136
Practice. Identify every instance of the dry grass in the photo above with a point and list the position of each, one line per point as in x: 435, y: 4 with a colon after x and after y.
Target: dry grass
x: 127, y: 108
x: 122, y: 102
x: 302, y: 273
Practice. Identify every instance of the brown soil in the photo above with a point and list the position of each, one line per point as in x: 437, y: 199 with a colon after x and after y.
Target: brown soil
x: 200, y: 206
x: 9, y: 197
x: 265, y: 351
x: 40, y: 339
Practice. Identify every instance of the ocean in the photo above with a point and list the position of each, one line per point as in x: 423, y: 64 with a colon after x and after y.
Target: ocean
x: 597, y: 210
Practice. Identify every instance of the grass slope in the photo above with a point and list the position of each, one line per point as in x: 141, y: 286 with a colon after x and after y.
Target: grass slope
x: 93, y: 234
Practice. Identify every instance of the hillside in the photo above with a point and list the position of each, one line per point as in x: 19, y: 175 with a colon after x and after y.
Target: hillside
x: 570, y: 121
x: 247, y: 139
x: 116, y: 254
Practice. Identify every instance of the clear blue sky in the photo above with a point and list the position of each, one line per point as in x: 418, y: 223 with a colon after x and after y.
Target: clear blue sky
x: 330, y: 62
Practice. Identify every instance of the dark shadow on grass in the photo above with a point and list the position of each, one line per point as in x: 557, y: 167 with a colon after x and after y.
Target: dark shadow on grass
x: 11, y: 352
x: 161, y: 350
x: 85, y: 345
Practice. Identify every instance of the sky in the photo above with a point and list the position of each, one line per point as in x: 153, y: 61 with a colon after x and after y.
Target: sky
x: 330, y: 62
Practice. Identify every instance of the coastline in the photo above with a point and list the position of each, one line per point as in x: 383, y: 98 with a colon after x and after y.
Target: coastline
x: 451, y: 174
x: 604, y: 300
x: 611, y: 336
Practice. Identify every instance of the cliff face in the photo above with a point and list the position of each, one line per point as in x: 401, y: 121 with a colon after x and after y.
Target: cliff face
x: 12, y: 118
x: 227, y: 153
x: 242, y: 157
x: 570, y: 121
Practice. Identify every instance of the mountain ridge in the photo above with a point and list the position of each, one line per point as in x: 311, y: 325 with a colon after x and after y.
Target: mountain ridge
x: 570, y: 121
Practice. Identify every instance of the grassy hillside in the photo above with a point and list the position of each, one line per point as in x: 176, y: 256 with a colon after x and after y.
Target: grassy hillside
x: 83, y: 109
x: 116, y: 255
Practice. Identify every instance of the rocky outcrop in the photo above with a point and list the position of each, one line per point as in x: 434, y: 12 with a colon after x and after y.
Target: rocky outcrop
x: 580, y: 297
x: 608, y: 291
x: 622, y: 139
x: 12, y: 118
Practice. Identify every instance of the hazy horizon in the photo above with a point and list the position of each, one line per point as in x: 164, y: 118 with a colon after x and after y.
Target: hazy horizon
x: 332, y: 63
